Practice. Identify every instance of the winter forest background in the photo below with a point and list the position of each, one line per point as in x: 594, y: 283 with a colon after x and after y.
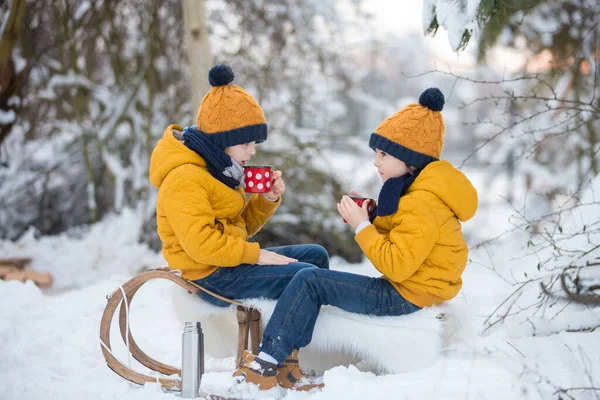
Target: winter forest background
x: 87, y: 87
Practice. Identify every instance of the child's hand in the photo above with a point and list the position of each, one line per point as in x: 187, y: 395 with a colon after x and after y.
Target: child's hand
x: 267, y: 257
x: 355, y: 193
x: 352, y: 213
x: 278, y: 187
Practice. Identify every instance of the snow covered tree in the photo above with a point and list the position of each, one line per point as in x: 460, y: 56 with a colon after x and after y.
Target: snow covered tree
x: 94, y: 90
x: 104, y: 78
x: 464, y: 19
x: 543, y: 122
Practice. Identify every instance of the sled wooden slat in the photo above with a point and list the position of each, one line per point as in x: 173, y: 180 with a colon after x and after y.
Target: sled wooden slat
x: 255, y: 331
x: 244, y: 330
x: 248, y: 324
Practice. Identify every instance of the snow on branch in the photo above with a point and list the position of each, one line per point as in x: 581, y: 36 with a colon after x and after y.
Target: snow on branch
x: 461, y: 18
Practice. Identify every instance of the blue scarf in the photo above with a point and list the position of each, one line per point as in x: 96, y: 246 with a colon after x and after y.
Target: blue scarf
x: 392, y: 190
x: 220, y: 165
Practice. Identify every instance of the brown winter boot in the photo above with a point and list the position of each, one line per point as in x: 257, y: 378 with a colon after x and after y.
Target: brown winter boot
x: 290, y: 376
x: 254, y: 370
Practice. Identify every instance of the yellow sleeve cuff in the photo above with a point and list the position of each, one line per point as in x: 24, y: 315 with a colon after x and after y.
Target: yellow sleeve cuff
x: 251, y: 253
x: 366, y: 236
x: 265, y: 205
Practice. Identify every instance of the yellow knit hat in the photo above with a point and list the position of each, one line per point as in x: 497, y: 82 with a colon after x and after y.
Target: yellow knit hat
x: 228, y: 113
x: 414, y: 134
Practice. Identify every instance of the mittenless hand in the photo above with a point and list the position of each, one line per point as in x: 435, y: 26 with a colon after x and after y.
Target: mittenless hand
x: 277, y: 188
x: 267, y: 257
x: 352, y: 213
x: 373, y: 202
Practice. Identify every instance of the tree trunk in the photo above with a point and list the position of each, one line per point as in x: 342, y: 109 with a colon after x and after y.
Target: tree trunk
x: 8, y: 74
x: 198, y: 49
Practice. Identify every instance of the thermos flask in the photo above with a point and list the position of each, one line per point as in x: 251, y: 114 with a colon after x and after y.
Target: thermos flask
x: 192, y: 360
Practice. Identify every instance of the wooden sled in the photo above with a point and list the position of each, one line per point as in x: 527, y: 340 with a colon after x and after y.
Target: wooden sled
x: 248, y: 324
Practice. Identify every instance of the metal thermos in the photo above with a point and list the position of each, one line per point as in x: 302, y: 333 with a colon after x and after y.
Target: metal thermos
x: 192, y: 360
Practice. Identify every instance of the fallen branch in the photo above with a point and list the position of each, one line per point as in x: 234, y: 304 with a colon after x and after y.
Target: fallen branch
x: 15, y: 262
x: 11, y: 272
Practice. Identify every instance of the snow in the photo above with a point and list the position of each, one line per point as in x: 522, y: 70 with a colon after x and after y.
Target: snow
x: 84, y: 256
x: 7, y: 117
x: 456, y: 16
x: 83, y: 8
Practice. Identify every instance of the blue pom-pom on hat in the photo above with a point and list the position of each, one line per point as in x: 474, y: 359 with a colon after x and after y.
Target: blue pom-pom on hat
x: 432, y: 98
x: 220, y: 75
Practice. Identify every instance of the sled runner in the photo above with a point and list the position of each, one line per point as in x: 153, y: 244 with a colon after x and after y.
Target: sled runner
x: 249, y: 329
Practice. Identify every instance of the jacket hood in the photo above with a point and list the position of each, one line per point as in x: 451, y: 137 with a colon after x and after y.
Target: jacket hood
x: 451, y: 186
x: 169, y: 154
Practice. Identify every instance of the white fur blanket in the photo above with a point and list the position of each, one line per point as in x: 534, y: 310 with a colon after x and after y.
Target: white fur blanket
x: 379, y: 344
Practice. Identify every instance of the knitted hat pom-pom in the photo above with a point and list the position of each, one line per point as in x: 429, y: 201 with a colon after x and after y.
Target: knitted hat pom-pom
x: 433, y: 99
x: 220, y: 75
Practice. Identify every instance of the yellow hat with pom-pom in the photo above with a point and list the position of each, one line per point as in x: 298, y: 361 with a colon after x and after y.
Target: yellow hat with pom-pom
x: 414, y: 134
x: 228, y: 113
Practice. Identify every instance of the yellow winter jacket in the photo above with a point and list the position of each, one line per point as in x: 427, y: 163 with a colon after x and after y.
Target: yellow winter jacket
x: 202, y: 223
x: 421, y: 249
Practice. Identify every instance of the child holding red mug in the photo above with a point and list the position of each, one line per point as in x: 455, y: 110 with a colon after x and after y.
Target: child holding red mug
x: 359, y: 200
x: 204, y: 218
x: 414, y: 238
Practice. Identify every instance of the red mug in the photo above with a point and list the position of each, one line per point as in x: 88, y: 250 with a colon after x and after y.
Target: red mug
x: 360, y: 200
x: 258, y: 178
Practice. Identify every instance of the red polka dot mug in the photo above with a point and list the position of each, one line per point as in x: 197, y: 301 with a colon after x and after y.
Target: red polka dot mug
x: 258, y: 178
x: 360, y: 201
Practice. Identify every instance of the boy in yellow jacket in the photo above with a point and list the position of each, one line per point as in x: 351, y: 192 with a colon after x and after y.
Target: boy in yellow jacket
x: 415, y: 240
x: 204, y: 218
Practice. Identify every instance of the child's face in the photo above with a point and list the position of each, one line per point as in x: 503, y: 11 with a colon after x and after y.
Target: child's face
x: 389, y: 166
x: 241, y: 153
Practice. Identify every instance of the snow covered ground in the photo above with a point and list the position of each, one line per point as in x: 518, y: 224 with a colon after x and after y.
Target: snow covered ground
x: 49, y: 346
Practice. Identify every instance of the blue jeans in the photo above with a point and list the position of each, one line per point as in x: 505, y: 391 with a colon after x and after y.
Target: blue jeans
x: 292, y: 323
x: 267, y: 281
